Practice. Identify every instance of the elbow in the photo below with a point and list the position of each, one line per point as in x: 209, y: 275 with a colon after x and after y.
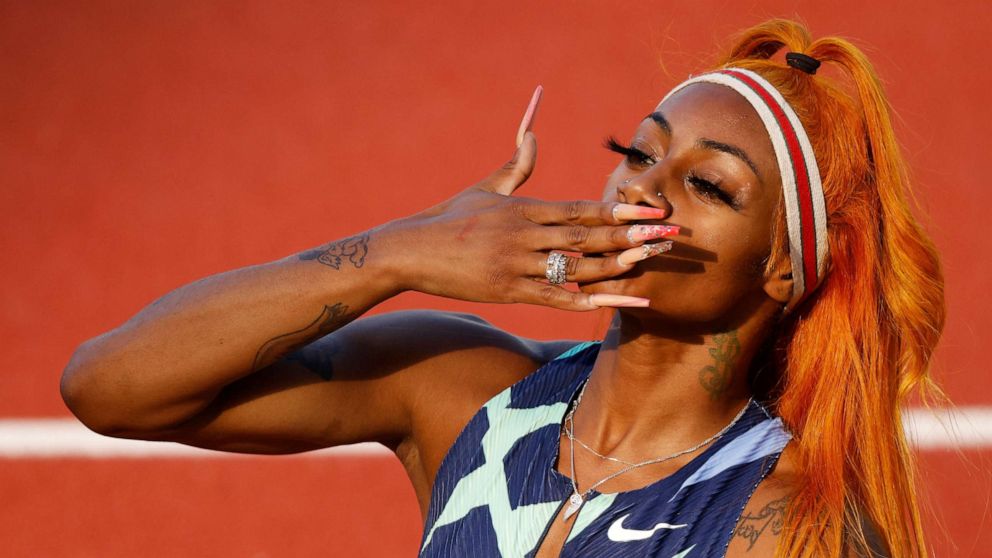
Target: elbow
x: 84, y: 391
x: 103, y: 390
x: 95, y: 390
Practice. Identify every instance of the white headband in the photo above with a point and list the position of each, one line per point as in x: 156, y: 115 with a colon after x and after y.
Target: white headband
x: 805, y: 209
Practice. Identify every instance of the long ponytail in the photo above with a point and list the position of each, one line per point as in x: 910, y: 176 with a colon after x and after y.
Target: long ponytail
x: 851, y: 354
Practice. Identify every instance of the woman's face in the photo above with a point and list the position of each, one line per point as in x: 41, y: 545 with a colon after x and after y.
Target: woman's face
x: 708, y: 159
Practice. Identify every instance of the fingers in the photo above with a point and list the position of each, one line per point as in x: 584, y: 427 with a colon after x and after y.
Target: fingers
x: 643, y: 252
x: 582, y: 238
x: 558, y: 297
x: 520, y: 167
x: 585, y: 212
x: 515, y: 172
x: 586, y: 270
x: 528, y: 120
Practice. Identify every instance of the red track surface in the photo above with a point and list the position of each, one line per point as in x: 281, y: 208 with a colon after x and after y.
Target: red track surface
x: 145, y: 145
x: 291, y: 506
x: 175, y: 507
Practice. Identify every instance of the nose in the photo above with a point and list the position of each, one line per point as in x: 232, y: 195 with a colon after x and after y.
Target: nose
x: 641, y: 189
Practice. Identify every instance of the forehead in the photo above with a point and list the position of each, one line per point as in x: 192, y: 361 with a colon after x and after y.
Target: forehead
x: 717, y: 112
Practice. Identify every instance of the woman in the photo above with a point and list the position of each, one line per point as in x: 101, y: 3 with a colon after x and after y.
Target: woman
x: 775, y: 303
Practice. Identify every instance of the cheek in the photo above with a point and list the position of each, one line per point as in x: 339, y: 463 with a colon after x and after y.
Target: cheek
x: 741, y: 248
x: 731, y: 272
x: 717, y: 268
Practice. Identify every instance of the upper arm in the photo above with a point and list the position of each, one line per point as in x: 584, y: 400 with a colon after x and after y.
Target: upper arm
x: 363, y: 382
x: 760, y: 526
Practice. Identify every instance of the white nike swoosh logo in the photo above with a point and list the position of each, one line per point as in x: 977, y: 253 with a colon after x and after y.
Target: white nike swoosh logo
x: 618, y: 533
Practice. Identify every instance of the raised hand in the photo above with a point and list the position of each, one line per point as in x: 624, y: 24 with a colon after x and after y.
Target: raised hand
x: 487, y: 245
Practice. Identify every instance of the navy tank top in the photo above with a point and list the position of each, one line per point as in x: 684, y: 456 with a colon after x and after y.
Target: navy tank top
x: 497, y: 488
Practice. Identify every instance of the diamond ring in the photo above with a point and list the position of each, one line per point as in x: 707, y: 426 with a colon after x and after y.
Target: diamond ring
x: 555, y: 271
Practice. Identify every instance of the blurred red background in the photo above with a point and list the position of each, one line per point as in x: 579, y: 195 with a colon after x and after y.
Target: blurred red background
x: 147, y: 144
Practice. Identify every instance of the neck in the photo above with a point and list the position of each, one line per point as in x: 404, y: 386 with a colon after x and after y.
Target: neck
x: 653, y: 392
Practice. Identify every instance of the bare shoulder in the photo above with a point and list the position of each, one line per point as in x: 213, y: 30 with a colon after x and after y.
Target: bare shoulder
x: 444, y: 366
x: 438, y: 358
x: 760, y: 524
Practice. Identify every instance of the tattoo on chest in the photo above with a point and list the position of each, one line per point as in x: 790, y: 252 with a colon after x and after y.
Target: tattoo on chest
x: 328, y: 320
x: 716, y: 378
x: 353, y: 249
x: 769, y: 519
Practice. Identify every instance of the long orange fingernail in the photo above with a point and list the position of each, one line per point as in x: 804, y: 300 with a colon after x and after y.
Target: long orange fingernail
x: 528, y: 120
x: 649, y: 212
x: 640, y: 233
x: 630, y: 212
x: 618, y: 301
x: 643, y: 252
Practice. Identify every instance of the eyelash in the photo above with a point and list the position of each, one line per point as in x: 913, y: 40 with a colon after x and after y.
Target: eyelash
x: 710, y: 189
x: 634, y: 156
x: 637, y: 157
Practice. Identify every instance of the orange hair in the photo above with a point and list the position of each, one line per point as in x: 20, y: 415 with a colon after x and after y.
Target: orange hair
x: 849, y: 356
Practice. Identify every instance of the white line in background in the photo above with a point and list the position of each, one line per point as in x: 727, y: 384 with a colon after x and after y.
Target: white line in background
x: 67, y: 437
x: 945, y: 429
x: 964, y: 428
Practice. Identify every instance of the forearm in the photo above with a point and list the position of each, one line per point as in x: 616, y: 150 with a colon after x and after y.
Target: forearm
x: 170, y: 360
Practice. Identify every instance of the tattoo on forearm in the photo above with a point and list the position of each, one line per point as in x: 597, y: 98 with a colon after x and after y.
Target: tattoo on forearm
x: 326, y: 322
x: 353, y: 249
x: 770, y: 518
x: 716, y: 378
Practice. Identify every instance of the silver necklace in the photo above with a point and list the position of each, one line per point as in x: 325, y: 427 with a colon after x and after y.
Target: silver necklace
x: 569, y: 429
x: 576, y: 500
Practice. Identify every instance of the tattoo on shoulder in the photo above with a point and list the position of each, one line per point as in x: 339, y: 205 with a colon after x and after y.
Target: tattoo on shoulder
x: 353, y: 249
x: 769, y: 519
x: 716, y: 378
x: 330, y: 317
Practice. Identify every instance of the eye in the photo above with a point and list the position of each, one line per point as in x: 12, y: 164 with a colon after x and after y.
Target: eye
x: 635, y: 156
x: 710, y: 189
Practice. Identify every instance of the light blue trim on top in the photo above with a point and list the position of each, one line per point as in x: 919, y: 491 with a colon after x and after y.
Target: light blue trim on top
x: 576, y: 349
x: 763, y: 439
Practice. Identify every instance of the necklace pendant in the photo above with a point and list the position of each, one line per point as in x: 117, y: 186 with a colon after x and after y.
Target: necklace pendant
x: 574, y: 503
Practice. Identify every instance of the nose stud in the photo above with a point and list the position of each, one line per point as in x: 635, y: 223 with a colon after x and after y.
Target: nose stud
x: 627, y: 181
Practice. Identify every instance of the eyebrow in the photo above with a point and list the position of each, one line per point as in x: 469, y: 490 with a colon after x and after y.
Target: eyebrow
x: 706, y: 143
x: 730, y: 150
x: 660, y: 120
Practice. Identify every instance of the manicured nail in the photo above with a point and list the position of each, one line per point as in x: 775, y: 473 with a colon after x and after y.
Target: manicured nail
x: 640, y: 233
x: 528, y: 120
x: 643, y: 252
x: 618, y: 301
x: 630, y: 212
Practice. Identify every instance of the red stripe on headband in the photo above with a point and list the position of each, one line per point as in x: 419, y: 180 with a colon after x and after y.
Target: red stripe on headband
x: 807, y: 225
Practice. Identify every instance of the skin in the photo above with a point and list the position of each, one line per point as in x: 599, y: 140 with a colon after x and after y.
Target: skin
x: 656, y: 371
x: 271, y: 359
